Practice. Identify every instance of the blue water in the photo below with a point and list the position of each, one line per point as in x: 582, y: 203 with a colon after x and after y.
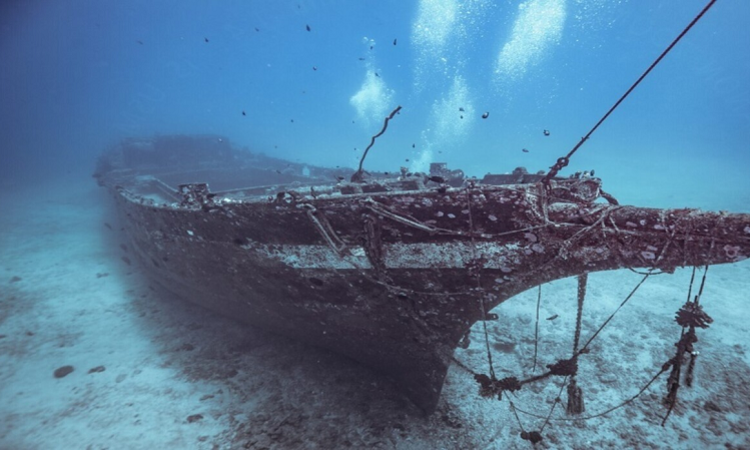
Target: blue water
x: 312, y: 81
x: 78, y: 75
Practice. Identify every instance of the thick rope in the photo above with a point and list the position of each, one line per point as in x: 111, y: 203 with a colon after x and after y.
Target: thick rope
x: 582, y: 279
x: 575, y: 394
x: 536, y: 327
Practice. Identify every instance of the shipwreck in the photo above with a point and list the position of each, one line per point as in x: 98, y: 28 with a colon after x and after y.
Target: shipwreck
x: 391, y: 270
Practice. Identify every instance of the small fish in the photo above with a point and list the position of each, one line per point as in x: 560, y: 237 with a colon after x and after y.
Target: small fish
x: 307, y: 27
x: 205, y: 39
x: 436, y: 179
x: 361, y: 59
x: 376, y: 74
x: 292, y: 120
x: 314, y: 68
x: 461, y: 116
x: 462, y: 109
x: 546, y: 132
x: 125, y: 259
x: 256, y: 29
x: 140, y: 42
x: 243, y: 113
x: 413, y: 145
x: 107, y: 225
x: 407, y: 160
x: 486, y: 115
x: 552, y: 317
x: 525, y: 150
x: 394, y: 41
x: 339, y: 178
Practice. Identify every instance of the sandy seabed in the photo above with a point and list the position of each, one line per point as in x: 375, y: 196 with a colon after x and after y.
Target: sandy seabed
x: 151, y: 371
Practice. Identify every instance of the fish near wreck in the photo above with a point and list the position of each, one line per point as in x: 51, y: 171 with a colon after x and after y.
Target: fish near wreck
x: 391, y: 271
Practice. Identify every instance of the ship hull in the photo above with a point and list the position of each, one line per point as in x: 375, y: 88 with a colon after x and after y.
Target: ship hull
x: 391, y: 273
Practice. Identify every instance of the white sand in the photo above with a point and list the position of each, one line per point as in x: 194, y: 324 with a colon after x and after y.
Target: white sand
x: 166, y: 360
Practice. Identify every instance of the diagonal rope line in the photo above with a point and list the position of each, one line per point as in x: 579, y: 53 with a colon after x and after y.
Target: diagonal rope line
x: 562, y: 162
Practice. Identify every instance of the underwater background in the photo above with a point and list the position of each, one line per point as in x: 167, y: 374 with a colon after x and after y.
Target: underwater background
x: 79, y: 75
x: 311, y: 81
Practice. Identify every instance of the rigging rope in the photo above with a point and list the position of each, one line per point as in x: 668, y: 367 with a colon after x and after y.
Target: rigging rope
x: 536, y: 327
x: 563, y: 161
x: 575, y: 394
x: 490, y: 386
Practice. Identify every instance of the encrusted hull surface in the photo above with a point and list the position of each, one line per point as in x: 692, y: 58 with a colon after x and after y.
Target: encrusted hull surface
x: 391, y: 273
